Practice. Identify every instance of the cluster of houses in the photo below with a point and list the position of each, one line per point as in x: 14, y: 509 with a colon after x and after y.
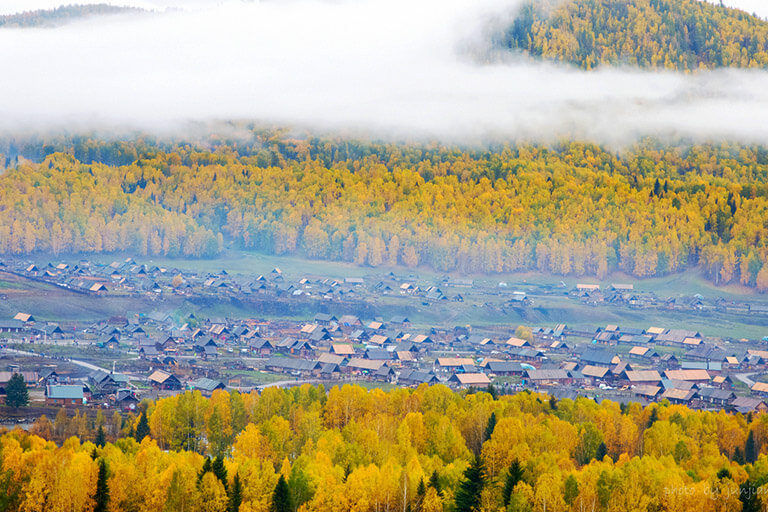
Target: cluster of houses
x: 622, y: 294
x: 174, y: 354
x: 638, y: 364
x: 129, y: 277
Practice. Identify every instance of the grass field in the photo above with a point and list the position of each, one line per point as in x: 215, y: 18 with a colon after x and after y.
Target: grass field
x: 49, y: 302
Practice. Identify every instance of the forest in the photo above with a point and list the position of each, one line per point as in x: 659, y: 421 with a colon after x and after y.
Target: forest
x: 61, y: 15
x: 658, y: 34
x: 351, y: 449
x: 566, y: 209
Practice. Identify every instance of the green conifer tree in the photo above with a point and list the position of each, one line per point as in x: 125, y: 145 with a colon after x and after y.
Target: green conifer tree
x: 101, y: 498
x: 142, y: 429
x: 16, y: 394
x: 468, y: 494
x: 281, y: 498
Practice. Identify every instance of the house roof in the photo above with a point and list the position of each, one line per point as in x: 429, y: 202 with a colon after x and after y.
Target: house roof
x: 62, y: 391
x: 454, y: 361
x: 207, y: 384
x: 594, y: 371
x: 379, y: 339
x: 290, y: 363
x: 642, y: 375
x: 160, y: 376
x: 358, y: 363
x: 471, y: 379
x: 377, y: 353
x: 517, y: 342
x: 343, y: 349
x: 716, y: 394
x: 601, y: 357
x: 745, y: 403
x: 417, y: 377
x: 548, y: 374
x: 330, y: 358
x: 646, y: 390
x: 678, y: 394
x: 505, y: 367
x: 687, y: 374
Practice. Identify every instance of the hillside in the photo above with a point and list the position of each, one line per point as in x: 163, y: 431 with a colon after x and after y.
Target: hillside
x: 671, y: 34
x: 574, y: 209
x: 61, y: 15
x: 425, y: 450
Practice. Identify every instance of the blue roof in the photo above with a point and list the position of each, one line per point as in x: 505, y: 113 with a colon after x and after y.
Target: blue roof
x: 65, y: 391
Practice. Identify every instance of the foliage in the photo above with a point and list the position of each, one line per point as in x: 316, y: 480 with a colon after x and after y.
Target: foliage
x: 669, y: 34
x: 471, y: 487
x: 514, y: 475
x: 142, y: 427
x: 569, y: 209
x: 236, y: 496
x: 16, y: 391
x: 356, y: 450
x: 281, y: 498
x: 101, y: 498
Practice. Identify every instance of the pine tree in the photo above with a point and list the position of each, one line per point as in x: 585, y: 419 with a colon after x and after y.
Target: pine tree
x: 750, y: 450
x: 602, y: 451
x: 468, y: 494
x: 101, y: 498
x: 142, y: 429
x: 236, y: 497
x: 281, y: 499
x: 207, y: 466
x: 490, y: 427
x: 100, y: 437
x: 738, y: 456
x: 434, y: 482
x: 421, y: 491
x: 514, y: 475
x: 653, y: 418
x: 16, y: 394
x: 749, y: 498
x: 219, y: 470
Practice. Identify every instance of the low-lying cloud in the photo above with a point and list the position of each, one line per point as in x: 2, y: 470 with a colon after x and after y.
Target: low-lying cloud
x: 405, y: 67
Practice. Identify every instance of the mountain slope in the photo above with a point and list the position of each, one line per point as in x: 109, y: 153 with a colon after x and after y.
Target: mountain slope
x: 672, y: 34
x: 61, y: 15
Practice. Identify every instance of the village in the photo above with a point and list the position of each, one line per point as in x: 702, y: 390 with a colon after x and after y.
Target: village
x: 117, y: 361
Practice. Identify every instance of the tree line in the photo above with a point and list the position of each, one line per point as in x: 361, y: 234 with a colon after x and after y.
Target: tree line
x: 428, y: 449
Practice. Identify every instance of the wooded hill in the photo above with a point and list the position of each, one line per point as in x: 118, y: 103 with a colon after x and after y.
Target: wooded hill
x: 61, y: 15
x: 570, y: 209
x: 428, y: 449
x: 670, y: 34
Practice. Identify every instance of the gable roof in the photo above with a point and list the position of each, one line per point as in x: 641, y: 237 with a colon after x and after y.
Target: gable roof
x: 453, y: 361
x: 62, y: 391
x: 160, y: 376
x: 594, y: 371
x: 642, y: 375
x: 687, y: 374
x: 470, y: 379
x: 358, y: 363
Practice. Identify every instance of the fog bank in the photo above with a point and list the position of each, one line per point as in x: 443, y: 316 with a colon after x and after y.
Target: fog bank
x: 405, y: 67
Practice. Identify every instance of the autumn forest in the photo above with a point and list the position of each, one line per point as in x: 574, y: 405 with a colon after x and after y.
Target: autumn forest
x: 428, y: 449
x: 566, y: 209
